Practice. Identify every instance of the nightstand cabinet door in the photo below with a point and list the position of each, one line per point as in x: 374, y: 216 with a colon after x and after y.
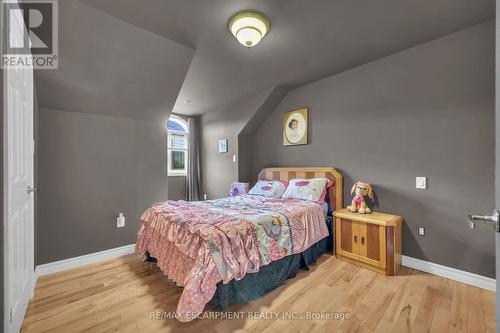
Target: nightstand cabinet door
x: 372, y: 249
x: 348, y: 238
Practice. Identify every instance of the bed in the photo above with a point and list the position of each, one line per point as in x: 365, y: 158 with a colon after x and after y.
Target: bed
x: 236, y: 249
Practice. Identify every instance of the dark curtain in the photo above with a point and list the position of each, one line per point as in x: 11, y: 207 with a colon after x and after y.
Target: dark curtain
x: 193, y: 172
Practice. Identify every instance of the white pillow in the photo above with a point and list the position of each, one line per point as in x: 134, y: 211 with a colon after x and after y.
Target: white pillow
x: 306, y: 189
x: 268, y: 188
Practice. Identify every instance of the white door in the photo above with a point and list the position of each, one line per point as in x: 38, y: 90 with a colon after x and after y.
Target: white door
x: 18, y: 176
x: 497, y: 159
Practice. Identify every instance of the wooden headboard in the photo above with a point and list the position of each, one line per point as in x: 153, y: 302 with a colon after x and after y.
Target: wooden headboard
x: 335, y: 193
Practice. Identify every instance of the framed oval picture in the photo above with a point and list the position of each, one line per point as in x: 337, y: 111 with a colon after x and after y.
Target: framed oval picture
x: 295, y: 127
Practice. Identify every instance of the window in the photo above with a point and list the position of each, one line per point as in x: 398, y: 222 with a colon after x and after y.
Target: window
x: 177, y: 146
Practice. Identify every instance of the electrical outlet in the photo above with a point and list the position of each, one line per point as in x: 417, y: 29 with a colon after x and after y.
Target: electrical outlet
x: 205, y: 196
x: 421, y: 231
x: 120, y: 221
x: 421, y: 183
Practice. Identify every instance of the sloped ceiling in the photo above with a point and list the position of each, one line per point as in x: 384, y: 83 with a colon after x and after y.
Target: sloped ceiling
x: 111, y: 67
x: 308, y: 40
x: 143, y: 59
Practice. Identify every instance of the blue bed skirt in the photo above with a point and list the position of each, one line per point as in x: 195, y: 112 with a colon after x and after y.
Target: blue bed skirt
x: 255, y: 285
x: 271, y: 276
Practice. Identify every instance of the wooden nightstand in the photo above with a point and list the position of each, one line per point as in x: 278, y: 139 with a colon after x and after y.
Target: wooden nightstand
x: 370, y: 240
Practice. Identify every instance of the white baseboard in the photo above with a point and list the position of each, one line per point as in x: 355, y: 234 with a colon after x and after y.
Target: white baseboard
x: 450, y: 273
x: 91, y: 258
x: 421, y: 265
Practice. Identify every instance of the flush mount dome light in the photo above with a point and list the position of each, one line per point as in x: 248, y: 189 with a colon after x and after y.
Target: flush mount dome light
x: 249, y: 27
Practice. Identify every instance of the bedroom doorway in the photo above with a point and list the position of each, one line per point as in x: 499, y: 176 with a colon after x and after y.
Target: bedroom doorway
x: 18, y: 187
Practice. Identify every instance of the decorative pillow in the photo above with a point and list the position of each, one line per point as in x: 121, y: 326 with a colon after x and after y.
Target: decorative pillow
x: 238, y: 189
x: 306, y: 189
x: 268, y: 188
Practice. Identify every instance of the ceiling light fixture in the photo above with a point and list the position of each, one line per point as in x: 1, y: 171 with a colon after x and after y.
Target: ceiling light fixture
x: 249, y: 27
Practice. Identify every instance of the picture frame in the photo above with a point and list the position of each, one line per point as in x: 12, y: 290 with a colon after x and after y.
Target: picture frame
x: 295, y: 127
x: 223, y: 145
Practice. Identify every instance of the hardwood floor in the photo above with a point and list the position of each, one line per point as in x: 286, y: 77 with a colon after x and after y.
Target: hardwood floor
x: 120, y: 295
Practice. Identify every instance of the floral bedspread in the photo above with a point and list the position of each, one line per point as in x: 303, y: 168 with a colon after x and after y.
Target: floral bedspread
x: 198, y: 244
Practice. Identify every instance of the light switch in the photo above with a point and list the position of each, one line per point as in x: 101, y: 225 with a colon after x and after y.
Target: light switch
x: 421, y: 183
x: 421, y: 231
x: 234, y: 158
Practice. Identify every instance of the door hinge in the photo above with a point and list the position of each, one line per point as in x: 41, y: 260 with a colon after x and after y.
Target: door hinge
x: 10, y: 315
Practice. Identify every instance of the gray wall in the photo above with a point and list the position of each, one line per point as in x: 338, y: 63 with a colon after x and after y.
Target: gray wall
x: 426, y: 111
x: 218, y: 169
x: 90, y: 168
x: 234, y: 123
x: 176, y: 188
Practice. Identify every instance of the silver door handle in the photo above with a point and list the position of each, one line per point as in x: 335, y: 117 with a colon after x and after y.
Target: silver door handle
x: 493, y: 220
x: 31, y: 189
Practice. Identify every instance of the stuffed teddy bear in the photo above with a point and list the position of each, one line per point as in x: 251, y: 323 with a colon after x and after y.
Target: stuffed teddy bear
x: 358, y: 203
